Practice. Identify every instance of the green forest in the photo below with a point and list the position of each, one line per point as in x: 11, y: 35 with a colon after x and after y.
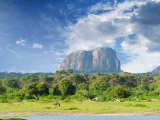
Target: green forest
x: 67, y: 86
x: 14, y: 74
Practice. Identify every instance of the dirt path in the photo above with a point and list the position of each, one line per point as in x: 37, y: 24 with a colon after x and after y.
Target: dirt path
x: 83, y: 114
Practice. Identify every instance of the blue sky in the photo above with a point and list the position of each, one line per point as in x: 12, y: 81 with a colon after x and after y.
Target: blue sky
x: 35, y: 35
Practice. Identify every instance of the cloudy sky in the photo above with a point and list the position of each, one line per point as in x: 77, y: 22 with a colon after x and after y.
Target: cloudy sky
x: 35, y: 35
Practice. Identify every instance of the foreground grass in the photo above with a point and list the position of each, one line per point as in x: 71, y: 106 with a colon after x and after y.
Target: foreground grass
x: 82, y: 107
x: 11, y: 118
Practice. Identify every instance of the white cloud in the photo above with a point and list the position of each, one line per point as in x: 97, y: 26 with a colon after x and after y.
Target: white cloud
x: 140, y: 59
x: 37, y: 46
x: 99, y: 30
x: 16, y: 54
x: 101, y: 6
x: 59, y: 53
x: 123, y: 20
x: 21, y: 41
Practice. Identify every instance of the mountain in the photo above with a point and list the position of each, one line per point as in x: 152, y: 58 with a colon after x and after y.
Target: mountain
x: 156, y: 70
x: 102, y: 59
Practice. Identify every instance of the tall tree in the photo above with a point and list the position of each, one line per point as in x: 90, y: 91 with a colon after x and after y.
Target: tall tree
x: 2, y: 88
x: 119, y: 92
x: 66, y: 87
x: 82, y: 86
x: 47, y: 80
x: 28, y: 79
x: 36, y: 89
x: 10, y: 82
x: 56, y: 90
x: 99, y: 85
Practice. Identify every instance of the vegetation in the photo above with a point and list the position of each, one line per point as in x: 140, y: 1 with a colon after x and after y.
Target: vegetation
x: 2, y: 89
x: 82, y: 107
x: 14, y: 74
x: 100, y: 70
x: 66, y: 86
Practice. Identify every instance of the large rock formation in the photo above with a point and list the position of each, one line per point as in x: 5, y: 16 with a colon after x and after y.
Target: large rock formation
x: 156, y: 70
x: 99, y: 58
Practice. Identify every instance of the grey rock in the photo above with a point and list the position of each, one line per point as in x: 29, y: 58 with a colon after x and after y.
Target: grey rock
x: 81, y: 60
x: 156, y: 70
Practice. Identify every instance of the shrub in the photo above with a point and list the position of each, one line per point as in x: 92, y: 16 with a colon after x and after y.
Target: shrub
x: 129, y: 105
x: 3, y: 101
x: 101, y: 98
x: 68, y: 99
x: 51, y: 96
x: 158, y: 97
x: 27, y: 97
x: 30, y: 100
x: 139, y: 105
x: 46, y: 107
x: 73, y: 108
x: 108, y: 99
x: 132, y: 99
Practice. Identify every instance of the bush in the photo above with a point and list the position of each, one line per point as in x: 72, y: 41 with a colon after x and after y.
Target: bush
x: 129, y: 105
x: 142, y: 97
x: 73, y: 108
x: 46, y: 107
x: 108, y: 99
x: 101, y: 98
x: 132, y: 99
x: 80, y: 99
x: 27, y: 97
x: 18, y: 100
x: 51, y: 96
x: 158, y: 97
x: 89, y: 94
x: 30, y: 100
x: 139, y: 105
x: 3, y: 101
x: 68, y: 99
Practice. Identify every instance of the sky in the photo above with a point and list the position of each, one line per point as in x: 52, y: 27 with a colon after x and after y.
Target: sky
x: 35, y: 35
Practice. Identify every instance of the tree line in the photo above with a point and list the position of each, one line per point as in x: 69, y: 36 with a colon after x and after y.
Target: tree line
x: 19, y: 74
x: 82, y: 86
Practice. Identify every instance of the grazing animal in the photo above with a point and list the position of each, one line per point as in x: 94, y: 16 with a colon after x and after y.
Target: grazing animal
x: 55, y: 103
x: 95, y: 99
x: 118, y: 99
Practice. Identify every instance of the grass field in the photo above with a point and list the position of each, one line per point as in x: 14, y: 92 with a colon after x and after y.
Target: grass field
x: 82, y: 107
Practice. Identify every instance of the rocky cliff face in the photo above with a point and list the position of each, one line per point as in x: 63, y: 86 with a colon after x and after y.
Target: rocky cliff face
x: 156, y: 70
x: 98, y: 58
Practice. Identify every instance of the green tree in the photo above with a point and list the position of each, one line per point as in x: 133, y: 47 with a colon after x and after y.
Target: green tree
x: 42, y: 88
x: 99, y: 85
x: 60, y: 72
x: 28, y: 79
x: 114, y: 79
x: 144, y: 79
x: 66, y: 88
x: 129, y: 79
x: 36, y: 89
x: 155, y: 88
x: 2, y: 89
x: 47, y: 80
x: 69, y: 71
x: 140, y: 90
x: 56, y: 90
x: 119, y: 92
x: 76, y: 78
x: 82, y: 86
x: 10, y: 82
x: 157, y: 78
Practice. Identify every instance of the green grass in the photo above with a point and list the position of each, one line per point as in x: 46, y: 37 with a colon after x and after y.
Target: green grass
x: 82, y: 107
x: 11, y: 118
